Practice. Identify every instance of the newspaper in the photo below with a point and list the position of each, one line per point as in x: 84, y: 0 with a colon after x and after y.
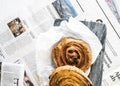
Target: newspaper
x: 112, y: 54
x: 12, y: 74
x: 103, y: 13
x: 21, y: 29
x: 19, y: 32
x: 112, y: 78
x: 16, y: 40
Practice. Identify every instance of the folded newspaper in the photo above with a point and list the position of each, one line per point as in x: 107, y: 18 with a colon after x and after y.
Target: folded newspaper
x: 12, y: 74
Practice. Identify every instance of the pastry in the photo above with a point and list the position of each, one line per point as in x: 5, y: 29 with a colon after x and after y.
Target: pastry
x: 69, y: 76
x: 70, y: 51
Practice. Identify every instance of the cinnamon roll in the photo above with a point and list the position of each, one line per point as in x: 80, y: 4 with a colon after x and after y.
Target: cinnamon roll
x: 75, y: 52
x: 69, y: 76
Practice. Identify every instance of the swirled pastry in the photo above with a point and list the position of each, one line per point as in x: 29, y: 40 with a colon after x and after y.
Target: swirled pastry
x: 73, y: 52
x: 69, y: 76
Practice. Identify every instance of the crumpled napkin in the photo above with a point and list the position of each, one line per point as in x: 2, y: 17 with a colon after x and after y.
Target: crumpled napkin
x: 46, y: 41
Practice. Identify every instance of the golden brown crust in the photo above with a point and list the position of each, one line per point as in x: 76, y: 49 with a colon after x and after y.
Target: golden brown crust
x: 69, y: 76
x: 72, y: 52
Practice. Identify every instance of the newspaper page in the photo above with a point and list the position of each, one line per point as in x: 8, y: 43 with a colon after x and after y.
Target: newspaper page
x: 18, y: 43
x: 20, y: 29
x: 27, y: 79
x: 19, y: 32
x: 112, y: 78
x: 12, y: 74
x: 103, y: 13
x: 111, y: 74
